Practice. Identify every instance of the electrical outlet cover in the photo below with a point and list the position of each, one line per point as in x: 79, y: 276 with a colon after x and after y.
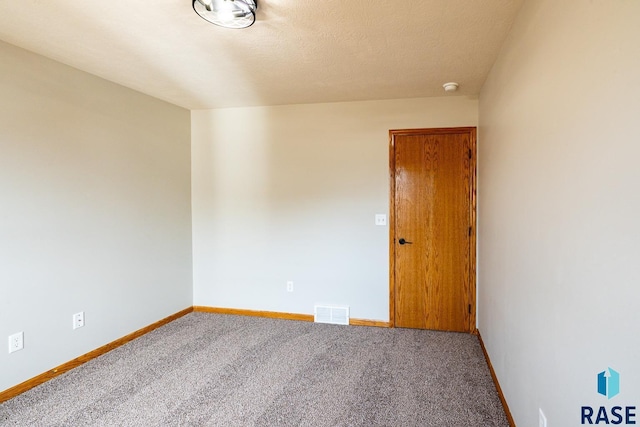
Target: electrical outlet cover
x: 16, y: 342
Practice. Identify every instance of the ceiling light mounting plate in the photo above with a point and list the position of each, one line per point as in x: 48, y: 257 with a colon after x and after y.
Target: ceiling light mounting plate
x: 227, y: 13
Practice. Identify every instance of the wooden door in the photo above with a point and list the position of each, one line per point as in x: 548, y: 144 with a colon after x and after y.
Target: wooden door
x: 433, y: 229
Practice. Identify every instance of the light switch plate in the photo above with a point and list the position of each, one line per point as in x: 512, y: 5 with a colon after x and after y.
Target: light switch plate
x: 381, y: 219
x: 78, y: 320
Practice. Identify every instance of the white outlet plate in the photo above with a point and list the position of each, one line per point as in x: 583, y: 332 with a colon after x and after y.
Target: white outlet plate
x: 542, y: 420
x: 289, y: 286
x: 78, y: 320
x: 381, y: 219
x: 16, y: 342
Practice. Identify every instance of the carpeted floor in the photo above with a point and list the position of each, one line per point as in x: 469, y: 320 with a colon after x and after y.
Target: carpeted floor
x: 217, y: 370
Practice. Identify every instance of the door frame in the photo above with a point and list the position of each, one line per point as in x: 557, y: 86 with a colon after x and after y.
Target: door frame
x: 392, y: 215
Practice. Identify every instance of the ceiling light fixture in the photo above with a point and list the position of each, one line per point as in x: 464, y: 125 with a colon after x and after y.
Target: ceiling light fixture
x: 227, y: 13
x: 450, y: 87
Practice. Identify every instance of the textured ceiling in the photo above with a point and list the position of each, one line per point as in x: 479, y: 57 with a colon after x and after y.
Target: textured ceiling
x: 298, y: 51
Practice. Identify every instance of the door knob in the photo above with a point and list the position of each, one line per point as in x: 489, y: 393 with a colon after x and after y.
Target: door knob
x: 402, y: 241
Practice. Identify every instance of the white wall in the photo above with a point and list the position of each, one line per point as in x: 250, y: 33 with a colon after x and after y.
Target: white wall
x: 94, y: 211
x: 559, y: 234
x: 290, y: 193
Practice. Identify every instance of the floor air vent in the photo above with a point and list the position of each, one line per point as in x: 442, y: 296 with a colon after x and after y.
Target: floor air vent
x: 329, y: 314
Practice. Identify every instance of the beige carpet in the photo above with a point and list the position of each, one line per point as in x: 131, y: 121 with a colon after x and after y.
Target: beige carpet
x: 217, y: 370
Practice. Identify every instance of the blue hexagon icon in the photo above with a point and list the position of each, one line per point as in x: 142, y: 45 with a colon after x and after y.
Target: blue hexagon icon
x: 609, y: 383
